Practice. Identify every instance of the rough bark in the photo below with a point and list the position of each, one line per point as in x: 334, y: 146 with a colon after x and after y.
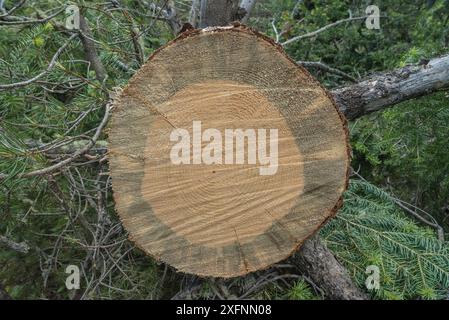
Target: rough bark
x: 387, y: 89
x: 248, y: 6
x: 194, y: 13
x: 90, y: 50
x: 218, y: 12
x: 21, y: 247
x: 315, y: 260
x: 172, y: 18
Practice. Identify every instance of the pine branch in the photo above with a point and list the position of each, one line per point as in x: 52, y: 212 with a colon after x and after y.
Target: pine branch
x: 41, y: 74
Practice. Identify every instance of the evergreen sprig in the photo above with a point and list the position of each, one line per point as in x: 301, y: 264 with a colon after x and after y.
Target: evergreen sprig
x: 371, y: 230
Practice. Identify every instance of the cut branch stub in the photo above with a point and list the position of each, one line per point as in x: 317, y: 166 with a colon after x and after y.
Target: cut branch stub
x: 224, y: 154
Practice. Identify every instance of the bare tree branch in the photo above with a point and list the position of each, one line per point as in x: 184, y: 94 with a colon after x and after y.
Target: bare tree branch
x: 387, y: 89
x: 12, y: 20
x: 168, y: 13
x: 326, y: 27
x: 326, y: 68
x: 275, y: 29
x: 20, y: 247
x: 11, y: 11
x: 90, y: 50
x: 138, y: 43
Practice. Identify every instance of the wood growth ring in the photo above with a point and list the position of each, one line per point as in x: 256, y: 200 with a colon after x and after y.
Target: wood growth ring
x: 225, y: 217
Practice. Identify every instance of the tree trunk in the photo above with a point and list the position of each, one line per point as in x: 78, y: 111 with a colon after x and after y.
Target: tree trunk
x: 316, y: 261
x: 217, y: 215
x: 389, y: 88
x: 248, y: 6
x: 218, y: 12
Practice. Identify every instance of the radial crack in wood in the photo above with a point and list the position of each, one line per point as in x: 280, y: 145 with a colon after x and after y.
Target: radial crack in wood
x: 264, y: 162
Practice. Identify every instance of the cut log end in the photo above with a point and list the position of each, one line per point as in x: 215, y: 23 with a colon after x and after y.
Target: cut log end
x: 225, y: 155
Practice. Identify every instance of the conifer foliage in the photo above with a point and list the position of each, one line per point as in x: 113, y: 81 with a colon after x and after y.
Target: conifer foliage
x: 54, y: 103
